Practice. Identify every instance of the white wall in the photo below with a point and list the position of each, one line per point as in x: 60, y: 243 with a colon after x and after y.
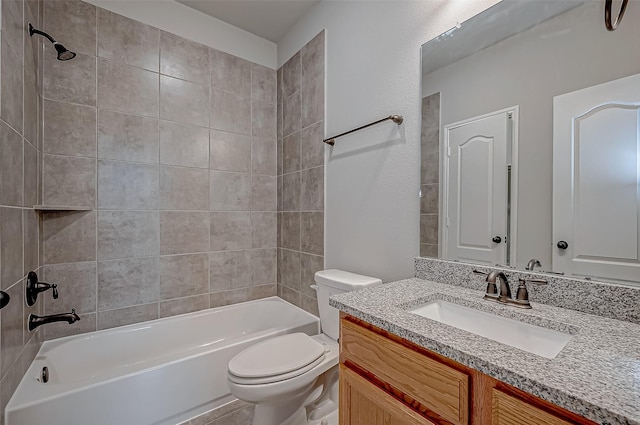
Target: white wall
x: 189, y: 23
x: 372, y: 177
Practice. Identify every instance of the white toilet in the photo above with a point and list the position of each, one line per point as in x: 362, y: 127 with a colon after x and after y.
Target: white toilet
x: 293, y: 378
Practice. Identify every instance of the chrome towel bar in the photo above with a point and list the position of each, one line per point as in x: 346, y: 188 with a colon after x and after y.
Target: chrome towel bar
x: 395, y: 118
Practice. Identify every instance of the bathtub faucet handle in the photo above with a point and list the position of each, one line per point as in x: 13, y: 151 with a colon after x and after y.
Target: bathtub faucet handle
x: 54, y: 288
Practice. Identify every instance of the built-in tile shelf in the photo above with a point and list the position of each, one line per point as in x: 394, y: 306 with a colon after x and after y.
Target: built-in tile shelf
x: 54, y: 208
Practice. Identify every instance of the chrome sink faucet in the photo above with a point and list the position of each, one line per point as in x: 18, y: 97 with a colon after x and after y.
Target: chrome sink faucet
x: 532, y: 264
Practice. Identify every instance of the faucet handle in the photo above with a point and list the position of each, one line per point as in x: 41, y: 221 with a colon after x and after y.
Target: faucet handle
x: 54, y: 287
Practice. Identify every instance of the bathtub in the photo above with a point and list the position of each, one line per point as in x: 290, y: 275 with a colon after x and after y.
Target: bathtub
x: 161, y: 372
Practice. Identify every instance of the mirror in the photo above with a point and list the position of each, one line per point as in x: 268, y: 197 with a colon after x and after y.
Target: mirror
x: 487, y: 162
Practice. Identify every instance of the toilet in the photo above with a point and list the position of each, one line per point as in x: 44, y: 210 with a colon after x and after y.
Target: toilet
x: 293, y: 378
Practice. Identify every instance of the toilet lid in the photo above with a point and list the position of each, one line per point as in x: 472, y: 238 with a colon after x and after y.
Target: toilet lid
x: 276, y: 356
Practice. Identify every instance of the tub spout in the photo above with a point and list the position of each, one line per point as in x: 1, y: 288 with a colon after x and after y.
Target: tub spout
x: 35, y: 321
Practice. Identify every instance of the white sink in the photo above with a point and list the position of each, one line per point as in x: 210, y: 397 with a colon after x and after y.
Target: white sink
x: 534, y: 339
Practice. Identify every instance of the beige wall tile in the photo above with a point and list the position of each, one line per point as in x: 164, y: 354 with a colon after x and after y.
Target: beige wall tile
x: 312, y: 58
x: 127, y: 185
x: 290, y: 230
x: 309, y: 304
x: 290, y: 268
x: 230, y: 151
x: 291, y: 192
x: 76, y: 288
x: 263, y: 156
x: 11, y: 78
x: 311, y: 146
x: 184, y: 275
x: 11, y: 329
x: 125, y: 40
x: 263, y: 229
x: 11, y: 163
x: 263, y: 84
x: 230, y: 191
x: 69, y: 237
x: 292, y: 75
x: 312, y: 189
x: 183, y: 101
x: 234, y: 296
x: 127, y: 89
x: 289, y: 295
x: 229, y: 270
x: 312, y: 103
x: 13, y: 24
x: 292, y: 114
x: 31, y: 103
x: 429, y: 229
x: 312, y: 232
x: 429, y: 203
x: 428, y: 250
x: 183, y: 232
x: 184, y: 145
x: 69, y: 129
x: 291, y: 153
x: 230, y: 230
x: 230, y: 73
x: 263, y: 193
x: 264, y: 291
x: 230, y: 112
x: 31, y: 232
x: 87, y: 323
x: 126, y: 316
x: 124, y: 234
x: 73, y: 23
x: 11, y: 246
x: 184, y: 188
x: 184, y: 305
x: 31, y: 176
x: 263, y: 119
x: 185, y: 59
x: 66, y: 83
x: 123, y: 283
x: 69, y: 181
x: 309, y: 265
x: 264, y: 264
x: 127, y: 137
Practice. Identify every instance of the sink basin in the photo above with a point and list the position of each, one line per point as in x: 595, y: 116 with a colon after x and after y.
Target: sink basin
x: 534, y: 339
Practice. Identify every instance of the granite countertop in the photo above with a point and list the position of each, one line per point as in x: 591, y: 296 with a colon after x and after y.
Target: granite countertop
x: 596, y: 375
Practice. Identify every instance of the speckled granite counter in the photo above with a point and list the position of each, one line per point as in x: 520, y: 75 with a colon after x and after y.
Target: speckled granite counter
x: 597, y: 375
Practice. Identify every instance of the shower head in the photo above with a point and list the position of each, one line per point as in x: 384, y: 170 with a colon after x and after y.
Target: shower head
x: 64, y: 54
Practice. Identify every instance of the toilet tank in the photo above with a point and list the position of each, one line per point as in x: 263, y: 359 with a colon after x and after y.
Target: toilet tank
x: 332, y: 282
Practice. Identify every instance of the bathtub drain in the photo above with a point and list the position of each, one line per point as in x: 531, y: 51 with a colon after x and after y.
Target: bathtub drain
x: 45, y: 375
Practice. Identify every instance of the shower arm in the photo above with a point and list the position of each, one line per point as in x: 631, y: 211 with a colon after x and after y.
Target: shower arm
x: 32, y: 31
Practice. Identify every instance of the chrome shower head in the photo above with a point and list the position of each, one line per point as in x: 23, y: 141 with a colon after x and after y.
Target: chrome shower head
x: 64, y: 54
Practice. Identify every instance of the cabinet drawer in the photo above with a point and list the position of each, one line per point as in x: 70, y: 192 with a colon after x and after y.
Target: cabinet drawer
x: 362, y: 403
x: 439, y: 388
x: 508, y: 410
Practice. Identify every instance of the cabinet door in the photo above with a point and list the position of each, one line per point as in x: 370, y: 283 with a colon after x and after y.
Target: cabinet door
x: 362, y: 403
x: 507, y: 410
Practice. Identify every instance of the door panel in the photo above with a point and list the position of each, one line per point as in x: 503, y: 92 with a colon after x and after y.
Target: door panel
x: 477, y: 189
x: 596, y: 185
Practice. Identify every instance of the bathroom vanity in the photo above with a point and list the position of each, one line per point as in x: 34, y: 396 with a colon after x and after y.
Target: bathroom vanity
x: 399, y: 367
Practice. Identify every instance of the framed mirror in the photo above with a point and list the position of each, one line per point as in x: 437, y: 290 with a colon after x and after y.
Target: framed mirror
x: 510, y: 172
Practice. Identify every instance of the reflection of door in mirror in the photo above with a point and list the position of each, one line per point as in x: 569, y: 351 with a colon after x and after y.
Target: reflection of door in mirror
x: 596, y: 181
x: 477, y: 160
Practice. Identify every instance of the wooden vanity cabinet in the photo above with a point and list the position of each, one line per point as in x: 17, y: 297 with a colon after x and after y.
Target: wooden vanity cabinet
x: 386, y: 380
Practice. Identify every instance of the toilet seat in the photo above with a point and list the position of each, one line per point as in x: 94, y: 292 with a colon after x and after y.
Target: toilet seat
x: 277, y: 359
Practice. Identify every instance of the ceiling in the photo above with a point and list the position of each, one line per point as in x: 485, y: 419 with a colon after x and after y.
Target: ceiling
x: 269, y: 19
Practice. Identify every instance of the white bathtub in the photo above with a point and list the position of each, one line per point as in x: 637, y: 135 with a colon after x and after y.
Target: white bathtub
x: 154, y: 373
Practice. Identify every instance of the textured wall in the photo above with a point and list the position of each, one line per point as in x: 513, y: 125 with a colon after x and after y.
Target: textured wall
x: 301, y: 173
x: 20, y: 142
x: 174, y: 146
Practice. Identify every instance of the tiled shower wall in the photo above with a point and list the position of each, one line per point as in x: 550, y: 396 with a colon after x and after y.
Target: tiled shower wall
x: 301, y: 173
x: 20, y: 142
x: 429, y: 175
x: 174, y: 146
